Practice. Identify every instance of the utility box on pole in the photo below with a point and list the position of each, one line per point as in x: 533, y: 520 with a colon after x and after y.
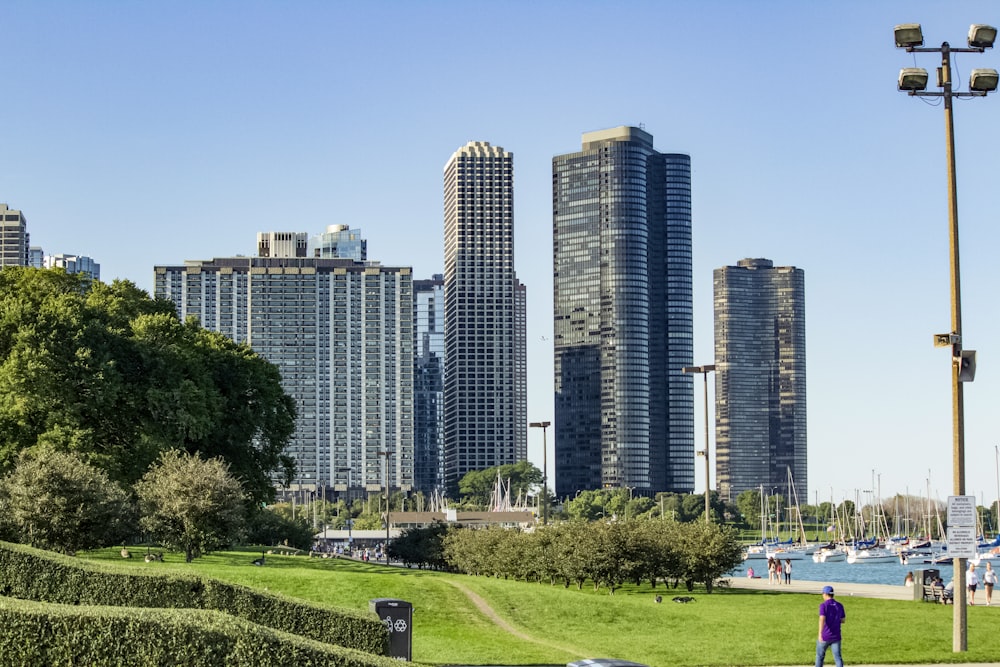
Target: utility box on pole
x: 398, y: 618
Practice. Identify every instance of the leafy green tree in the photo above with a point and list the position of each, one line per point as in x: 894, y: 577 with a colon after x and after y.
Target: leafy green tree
x: 110, y: 374
x: 190, y: 503
x: 53, y: 500
x: 477, y: 486
x: 707, y: 551
x: 423, y: 547
x: 748, y: 503
x: 269, y: 528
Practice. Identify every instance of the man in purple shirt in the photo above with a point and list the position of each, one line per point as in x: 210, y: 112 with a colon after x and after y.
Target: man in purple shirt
x: 831, y: 616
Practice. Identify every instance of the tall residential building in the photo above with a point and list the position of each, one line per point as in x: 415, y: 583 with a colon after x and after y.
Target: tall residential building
x: 13, y: 238
x: 485, y: 406
x: 339, y: 241
x: 760, y: 385
x: 73, y: 264
x: 624, y: 411
x: 341, y: 333
x: 428, y: 384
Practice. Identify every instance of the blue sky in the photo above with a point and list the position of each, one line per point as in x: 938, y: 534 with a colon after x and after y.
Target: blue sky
x: 151, y: 133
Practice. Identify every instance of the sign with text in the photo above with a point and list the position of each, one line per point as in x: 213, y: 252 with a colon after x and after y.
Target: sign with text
x: 961, y: 511
x: 962, y: 541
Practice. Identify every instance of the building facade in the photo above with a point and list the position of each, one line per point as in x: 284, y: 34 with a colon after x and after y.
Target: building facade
x: 760, y: 385
x: 485, y: 404
x: 13, y: 238
x: 339, y: 241
x: 428, y: 385
x: 73, y: 264
x: 341, y: 333
x: 624, y: 411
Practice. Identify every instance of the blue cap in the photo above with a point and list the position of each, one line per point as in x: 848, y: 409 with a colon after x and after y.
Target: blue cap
x: 828, y: 590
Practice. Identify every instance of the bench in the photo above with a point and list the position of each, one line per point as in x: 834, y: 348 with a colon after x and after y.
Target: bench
x: 932, y: 593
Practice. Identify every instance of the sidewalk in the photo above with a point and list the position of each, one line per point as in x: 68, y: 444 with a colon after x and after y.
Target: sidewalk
x: 842, y: 590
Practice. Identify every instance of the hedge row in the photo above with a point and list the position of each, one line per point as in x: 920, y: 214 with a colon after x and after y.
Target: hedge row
x: 39, y: 633
x: 33, y: 574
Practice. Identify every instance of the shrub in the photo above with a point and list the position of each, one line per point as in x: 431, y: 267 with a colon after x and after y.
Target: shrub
x: 31, y: 574
x: 35, y: 633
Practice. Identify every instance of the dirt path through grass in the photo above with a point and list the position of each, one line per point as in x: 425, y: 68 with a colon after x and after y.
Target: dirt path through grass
x: 491, y: 614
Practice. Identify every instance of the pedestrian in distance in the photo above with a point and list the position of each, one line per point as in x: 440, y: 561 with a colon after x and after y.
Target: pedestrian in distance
x: 831, y: 617
x: 972, y: 583
x: 989, y: 578
x: 770, y: 569
x: 788, y: 570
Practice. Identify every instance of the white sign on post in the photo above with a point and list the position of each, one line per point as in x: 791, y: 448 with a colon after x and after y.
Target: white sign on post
x: 961, y: 512
x: 962, y: 541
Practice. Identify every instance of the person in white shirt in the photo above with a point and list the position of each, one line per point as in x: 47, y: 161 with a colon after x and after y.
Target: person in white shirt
x: 989, y: 578
x: 972, y: 582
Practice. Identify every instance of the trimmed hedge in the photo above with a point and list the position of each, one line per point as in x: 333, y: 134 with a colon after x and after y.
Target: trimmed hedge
x: 39, y: 633
x: 33, y: 574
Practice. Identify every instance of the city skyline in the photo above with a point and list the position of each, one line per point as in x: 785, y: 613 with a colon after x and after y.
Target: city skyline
x: 143, y: 135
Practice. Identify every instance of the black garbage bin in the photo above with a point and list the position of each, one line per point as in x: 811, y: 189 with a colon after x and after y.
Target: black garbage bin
x: 927, y: 576
x: 398, y: 618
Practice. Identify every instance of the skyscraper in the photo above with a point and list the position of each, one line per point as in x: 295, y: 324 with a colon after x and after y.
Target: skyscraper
x: 428, y: 384
x: 341, y: 333
x: 484, y: 402
x: 13, y: 238
x: 624, y: 411
x: 760, y: 386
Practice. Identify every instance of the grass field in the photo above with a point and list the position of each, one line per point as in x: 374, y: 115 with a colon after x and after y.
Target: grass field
x: 551, y: 625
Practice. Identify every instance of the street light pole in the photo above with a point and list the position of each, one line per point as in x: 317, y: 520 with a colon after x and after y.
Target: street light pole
x: 386, y: 482
x: 545, y: 470
x: 704, y: 370
x: 981, y: 82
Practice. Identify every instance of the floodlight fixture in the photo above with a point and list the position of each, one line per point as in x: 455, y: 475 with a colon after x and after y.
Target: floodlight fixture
x: 983, y: 80
x: 912, y: 79
x: 982, y: 36
x: 909, y: 35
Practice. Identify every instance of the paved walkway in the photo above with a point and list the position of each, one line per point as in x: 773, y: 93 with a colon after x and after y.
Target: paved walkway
x: 881, y: 591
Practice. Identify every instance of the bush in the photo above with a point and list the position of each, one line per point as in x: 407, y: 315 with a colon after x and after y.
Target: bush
x: 269, y: 527
x: 32, y: 574
x: 35, y: 633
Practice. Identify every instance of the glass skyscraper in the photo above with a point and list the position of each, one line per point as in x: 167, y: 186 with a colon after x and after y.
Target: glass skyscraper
x: 485, y: 348
x: 760, y: 385
x: 428, y: 384
x: 624, y: 411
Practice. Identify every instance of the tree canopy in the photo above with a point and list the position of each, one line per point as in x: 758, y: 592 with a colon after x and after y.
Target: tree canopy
x: 53, y: 500
x: 191, y: 504
x: 113, y: 375
x: 477, y: 485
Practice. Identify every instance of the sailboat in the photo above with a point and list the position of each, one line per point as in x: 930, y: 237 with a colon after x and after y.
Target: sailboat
x: 874, y: 552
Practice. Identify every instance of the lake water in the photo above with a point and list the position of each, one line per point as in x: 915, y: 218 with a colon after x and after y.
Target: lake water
x: 865, y: 573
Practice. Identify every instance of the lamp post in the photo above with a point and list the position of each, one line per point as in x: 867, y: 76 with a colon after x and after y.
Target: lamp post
x: 704, y: 370
x: 913, y: 81
x: 545, y: 470
x: 386, y: 482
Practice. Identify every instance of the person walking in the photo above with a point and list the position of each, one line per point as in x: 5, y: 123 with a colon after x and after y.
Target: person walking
x: 770, y: 569
x: 788, y: 570
x: 831, y: 617
x: 972, y: 582
x: 989, y: 578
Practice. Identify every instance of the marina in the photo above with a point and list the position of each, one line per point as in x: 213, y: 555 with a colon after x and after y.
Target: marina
x: 891, y: 573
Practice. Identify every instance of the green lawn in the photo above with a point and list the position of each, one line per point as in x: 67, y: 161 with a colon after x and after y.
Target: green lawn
x: 728, y: 627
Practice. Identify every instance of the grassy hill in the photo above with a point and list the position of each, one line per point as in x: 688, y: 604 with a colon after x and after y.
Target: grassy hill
x: 539, y: 624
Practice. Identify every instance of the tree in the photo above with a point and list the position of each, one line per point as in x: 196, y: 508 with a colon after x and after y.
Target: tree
x: 270, y: 528
x: 190, y: 503
x: 477, y: 486
x: 54, y: 500
x: 748, y: 503
x: 111, y: 374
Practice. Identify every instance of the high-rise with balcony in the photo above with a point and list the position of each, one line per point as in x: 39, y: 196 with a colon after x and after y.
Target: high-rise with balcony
x: 13, y: 238
x: 485, y: 406
x: 624, y: 411
x: 341, y: 334
x: 760, y: 386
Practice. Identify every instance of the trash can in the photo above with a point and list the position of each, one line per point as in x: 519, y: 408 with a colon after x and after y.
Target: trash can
x: 927, y: 576
x: 398, y: 618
